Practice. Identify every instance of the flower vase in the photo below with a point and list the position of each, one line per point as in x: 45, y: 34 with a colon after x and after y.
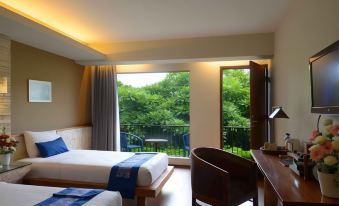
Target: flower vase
x: 328, y: 186
x: 5, y: 159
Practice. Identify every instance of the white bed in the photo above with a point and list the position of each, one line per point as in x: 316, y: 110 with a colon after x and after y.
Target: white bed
x: 93, y: 166
x: 26, y: 195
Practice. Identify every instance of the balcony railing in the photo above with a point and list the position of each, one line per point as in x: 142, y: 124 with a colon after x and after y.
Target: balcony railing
x: 172, y: 133
x: 236, y: 139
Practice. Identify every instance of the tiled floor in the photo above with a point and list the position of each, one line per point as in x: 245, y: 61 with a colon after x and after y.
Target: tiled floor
x: 177, y: 192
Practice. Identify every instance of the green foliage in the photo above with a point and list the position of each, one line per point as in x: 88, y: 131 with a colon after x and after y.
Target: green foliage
x: 239, y: 151
x: 162, y: 103
x: 236, y: 97
x: 236, y: 111
x: 167, y: 102
x: 175, y: 90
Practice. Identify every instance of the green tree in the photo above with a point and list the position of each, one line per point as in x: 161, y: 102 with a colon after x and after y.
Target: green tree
x: 167, y: 102
x: 163, y: 103
x: 236, y: 97
x: 175, y: 90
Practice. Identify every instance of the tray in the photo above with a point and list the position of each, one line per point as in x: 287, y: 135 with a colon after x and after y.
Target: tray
x: 279, y: 151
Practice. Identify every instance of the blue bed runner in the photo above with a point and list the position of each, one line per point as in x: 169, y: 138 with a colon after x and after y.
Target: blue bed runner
x: 70, y: 197
x: 124, y: 175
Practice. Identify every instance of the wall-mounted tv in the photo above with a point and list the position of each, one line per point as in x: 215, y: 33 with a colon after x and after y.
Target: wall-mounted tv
x: 324, y: 70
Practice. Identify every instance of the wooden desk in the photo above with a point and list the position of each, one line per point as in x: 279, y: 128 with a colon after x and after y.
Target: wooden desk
x: 284, y: 186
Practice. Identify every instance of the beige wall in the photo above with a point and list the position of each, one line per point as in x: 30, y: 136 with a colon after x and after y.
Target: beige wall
x: 70, y: 90
x: 190, y: 48
x: 310, y: 26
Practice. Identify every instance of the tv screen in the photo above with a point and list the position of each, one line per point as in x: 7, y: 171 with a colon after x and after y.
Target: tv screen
x: 324, y: 67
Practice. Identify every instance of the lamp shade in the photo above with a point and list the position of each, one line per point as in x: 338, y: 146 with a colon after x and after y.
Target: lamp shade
x: 278, y: 112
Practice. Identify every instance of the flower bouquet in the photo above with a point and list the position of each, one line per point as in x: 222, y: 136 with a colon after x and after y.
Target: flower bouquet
x: 325, y: 152
x: 7, y: 144
x: 7, y: 147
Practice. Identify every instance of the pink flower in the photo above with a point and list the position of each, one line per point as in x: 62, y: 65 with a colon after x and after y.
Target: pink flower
x: 334, y: 130
x: 327, y: 147
x: 316, y: 153
x: 314, y: 134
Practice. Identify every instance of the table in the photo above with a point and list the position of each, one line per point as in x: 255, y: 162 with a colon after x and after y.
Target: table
x: 282, y: 185
x: 15, y: 172
x: 156, y: 142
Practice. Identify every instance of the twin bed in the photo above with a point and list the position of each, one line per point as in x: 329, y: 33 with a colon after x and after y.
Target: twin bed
x: 92, y: 166
x: 91, y: 169
x: 24, y: 195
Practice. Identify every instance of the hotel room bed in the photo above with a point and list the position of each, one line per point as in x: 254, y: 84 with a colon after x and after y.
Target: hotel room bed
x: 26, y: 195
x: 93, y: 166
x: 84, y: 168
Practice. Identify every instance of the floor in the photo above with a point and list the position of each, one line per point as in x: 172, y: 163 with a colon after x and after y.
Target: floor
x: 177, y: 192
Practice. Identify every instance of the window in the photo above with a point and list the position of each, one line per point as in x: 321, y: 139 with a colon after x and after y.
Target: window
x: 154, y: 112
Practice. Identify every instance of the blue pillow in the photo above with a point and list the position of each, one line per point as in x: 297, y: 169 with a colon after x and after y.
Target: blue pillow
x: 51, y: 148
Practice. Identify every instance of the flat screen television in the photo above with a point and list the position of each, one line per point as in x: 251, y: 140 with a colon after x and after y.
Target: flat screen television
x: 324, y: 70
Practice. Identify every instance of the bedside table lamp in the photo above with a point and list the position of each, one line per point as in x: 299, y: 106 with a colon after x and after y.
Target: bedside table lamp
x: 278, y: 112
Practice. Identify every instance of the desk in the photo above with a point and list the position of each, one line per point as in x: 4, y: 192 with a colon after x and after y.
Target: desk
x: 284, y: 186
x: 156, y: 142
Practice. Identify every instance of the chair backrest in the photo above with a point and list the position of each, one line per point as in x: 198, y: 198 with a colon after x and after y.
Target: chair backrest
x: 214, y: 172
x: 123, y: 140
x: 210, y: 184
x: 186, y: 139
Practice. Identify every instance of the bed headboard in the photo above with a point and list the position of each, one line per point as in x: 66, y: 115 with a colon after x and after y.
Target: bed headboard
x: 74, y: 137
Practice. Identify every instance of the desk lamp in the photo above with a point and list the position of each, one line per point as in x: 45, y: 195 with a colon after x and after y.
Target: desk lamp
x: 278, y: 112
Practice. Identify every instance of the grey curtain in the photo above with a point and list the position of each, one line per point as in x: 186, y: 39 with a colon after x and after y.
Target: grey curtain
x: 104, y: 109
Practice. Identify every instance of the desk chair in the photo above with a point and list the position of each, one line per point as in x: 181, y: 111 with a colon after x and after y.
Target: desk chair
x: 221, y: 178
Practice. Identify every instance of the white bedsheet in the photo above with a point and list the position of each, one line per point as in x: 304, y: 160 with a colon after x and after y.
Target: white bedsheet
x: 26, y: 195
x: 93, y: 166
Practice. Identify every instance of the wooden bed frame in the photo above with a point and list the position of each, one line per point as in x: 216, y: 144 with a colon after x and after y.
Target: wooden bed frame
x: 140, y: 192
x: 80, y: 138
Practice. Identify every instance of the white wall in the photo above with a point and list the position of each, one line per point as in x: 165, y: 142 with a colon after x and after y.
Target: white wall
x: 310, y: 26
x: 204, y: 96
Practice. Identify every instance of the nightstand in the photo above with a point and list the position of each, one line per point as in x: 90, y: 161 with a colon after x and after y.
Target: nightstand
x: 15, y: 172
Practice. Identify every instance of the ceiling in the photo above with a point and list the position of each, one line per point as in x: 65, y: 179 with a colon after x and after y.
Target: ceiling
x: 23, y: 30
x: 105, y: 21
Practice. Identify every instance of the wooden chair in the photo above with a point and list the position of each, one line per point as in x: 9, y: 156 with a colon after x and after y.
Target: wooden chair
x: 221, y: 178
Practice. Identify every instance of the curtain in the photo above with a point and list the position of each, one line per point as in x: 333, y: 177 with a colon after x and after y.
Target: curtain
x: 105, y: 115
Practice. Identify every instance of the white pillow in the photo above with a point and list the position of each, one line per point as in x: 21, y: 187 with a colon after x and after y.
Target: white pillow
x: 35, y: 137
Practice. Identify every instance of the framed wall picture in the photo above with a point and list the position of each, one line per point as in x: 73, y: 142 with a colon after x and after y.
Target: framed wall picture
x: 39, y: 91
